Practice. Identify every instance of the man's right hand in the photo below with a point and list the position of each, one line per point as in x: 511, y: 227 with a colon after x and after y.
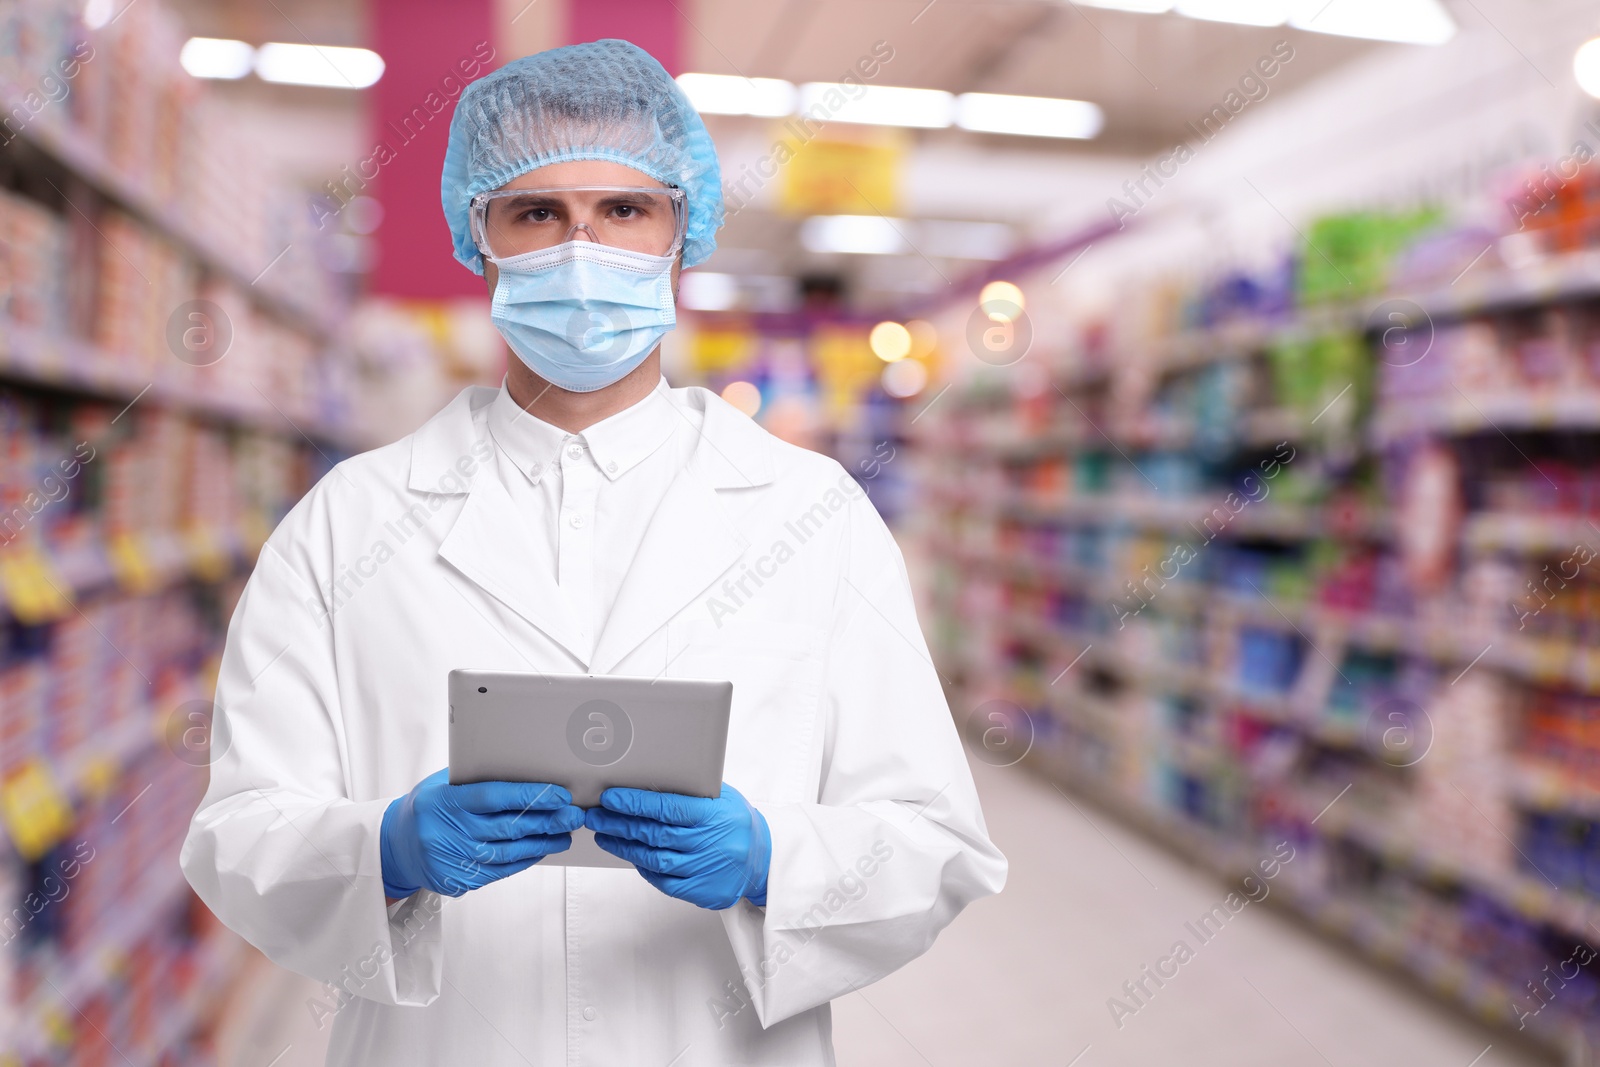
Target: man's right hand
x: 455, y: 838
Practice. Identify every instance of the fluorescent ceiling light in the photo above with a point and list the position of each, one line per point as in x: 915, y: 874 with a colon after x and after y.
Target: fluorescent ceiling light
x: 707, y: 291
x: 1586, y: 66
x: 1142, y: 7
x: 1405, y: 21
x: 877, y: 105
x: 963, y: 240
x: 1241, y: 12
x: 861, y: 234
x: 1031, y: 116
x: 877, y: 235
x: 318, y: 64
x: 216, y: 57
x: 730, y: 94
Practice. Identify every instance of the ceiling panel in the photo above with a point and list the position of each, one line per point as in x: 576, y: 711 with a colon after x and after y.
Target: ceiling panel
x: 1151, y: 73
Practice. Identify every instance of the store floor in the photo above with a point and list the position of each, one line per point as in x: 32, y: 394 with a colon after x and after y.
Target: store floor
x: 1024, y: 978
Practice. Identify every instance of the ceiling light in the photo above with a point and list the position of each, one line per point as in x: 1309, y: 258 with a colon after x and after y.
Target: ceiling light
x: 1404, y: 21
x: 322, y: 65
x: 216, y: 57
x: 860, y: 234
x: 1241, y: 12
x: 1030, y: 116
x: 877, y: 105
x: 1142, y: 7
x: 730, y: 94
x: 964, y: 240
x: 707, y: 291
x: 1586, y: 65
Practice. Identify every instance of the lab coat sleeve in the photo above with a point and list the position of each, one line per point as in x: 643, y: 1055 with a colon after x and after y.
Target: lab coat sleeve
x: 863, y: 879
x: 278, y: 850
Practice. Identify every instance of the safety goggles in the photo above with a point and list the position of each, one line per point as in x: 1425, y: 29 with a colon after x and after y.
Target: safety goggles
x: 514, y: 222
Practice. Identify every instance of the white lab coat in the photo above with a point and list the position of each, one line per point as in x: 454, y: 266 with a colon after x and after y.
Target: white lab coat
x: 765, y: 564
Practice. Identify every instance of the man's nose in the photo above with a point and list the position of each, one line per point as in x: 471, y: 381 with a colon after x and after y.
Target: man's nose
x: 582, y: 228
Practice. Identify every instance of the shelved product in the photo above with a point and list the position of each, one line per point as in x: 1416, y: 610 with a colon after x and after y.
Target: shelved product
x: 1250, y: 568
x: 169, y: 386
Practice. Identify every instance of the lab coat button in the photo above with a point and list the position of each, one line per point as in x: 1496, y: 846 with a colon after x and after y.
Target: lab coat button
x: 589, y: 1014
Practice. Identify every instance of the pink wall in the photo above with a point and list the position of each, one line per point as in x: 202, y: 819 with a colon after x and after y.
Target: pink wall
x: 429, y: 49
x: 426, y: 47
x: 654, y: 25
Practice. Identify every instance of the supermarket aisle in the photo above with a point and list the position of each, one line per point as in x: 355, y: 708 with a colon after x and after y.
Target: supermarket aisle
x: 1023, y: 978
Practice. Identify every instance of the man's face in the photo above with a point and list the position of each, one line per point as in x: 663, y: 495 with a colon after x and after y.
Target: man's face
x: 580, y: 172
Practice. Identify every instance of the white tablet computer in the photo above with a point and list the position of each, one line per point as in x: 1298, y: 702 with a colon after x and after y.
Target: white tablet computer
x: 587, y: 732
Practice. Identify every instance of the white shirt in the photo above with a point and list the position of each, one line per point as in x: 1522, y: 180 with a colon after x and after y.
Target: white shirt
x: 588, y: 497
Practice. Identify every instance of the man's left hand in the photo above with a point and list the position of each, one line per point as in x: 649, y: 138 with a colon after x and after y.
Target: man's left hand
x: 708, y: 852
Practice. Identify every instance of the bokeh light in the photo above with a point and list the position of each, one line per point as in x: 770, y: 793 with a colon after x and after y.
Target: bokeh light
x: 1006, y: 298
x: 744, y: 396
x: 924, y: 338
x: 890, y: 341
x: 1586, y: 66
x: 904, y: 378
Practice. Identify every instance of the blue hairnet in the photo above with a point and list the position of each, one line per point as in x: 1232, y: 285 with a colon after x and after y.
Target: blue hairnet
x: 603, y: 100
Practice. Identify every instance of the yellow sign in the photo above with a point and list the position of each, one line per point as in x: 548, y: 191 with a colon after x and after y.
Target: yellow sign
x: 845, y: 367
x: 131, y: 562
x: 34, y: 592
x: 717, y: 350
x: 36, y: 811
x: 841, y: 177
x: 208, y: 555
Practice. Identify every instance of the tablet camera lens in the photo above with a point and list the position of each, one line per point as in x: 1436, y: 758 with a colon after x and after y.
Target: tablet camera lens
x: 483, y: 689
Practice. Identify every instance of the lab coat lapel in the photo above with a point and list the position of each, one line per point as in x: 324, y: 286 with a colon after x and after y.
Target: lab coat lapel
x: 488, y: 546
x: 691, y: 541
x: 452, y: 455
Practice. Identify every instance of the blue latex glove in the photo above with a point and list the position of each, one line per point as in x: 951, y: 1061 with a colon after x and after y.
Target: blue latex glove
x: 708, y: 852
x: 453, y: 838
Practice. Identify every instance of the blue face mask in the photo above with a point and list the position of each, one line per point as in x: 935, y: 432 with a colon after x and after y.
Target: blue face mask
x: 582, y: 315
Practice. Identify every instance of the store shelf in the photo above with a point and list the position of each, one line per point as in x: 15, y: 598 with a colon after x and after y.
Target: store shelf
x: 70, y: 149
x: 138, y: 563
x: 1149, y: 710
x: 73, y: 982
x: 1487, y: 532
x: 1500, y: 411
x: 1549, y: 280
x: 33, y: 358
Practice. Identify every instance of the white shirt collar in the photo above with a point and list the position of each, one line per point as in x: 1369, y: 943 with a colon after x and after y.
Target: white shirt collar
x: 617, y: 442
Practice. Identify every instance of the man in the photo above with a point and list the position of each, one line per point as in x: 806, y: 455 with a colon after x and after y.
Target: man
x: 584, y: 518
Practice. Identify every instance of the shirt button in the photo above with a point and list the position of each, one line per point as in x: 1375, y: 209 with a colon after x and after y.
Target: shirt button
x: 575, y: 451
x: 589, y: 1014
x: 535, y: 469
x: 612, y: 467
x: 576, y: 521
